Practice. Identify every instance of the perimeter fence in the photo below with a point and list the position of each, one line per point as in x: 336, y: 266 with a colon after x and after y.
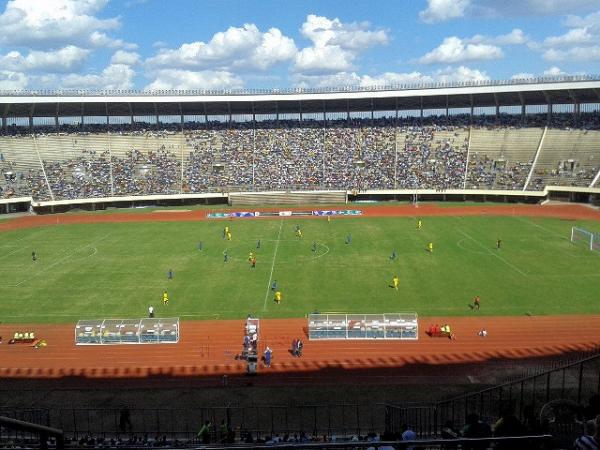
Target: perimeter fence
x: 259, y: 421
x: 574, y: 382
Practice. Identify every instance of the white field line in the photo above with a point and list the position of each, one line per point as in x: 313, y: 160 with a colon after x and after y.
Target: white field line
x: 272, y: 266
x: 547, y: 230
x: 62, y: 259
x: 554, y: 233
x: 512, y: 266
x: 36, y: 233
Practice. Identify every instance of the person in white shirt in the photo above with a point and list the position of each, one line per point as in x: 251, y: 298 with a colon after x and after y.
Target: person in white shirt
x: 151, y: 311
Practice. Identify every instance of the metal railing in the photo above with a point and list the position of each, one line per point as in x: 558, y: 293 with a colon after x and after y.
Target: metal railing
x: 575, y: 381
x: 291, y: 91
x: 259, y: 421
x: 39, y: 433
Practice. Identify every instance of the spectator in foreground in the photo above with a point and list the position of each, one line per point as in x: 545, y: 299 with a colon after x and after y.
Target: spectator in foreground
x: 474, y: 428
x: 589, y: 440
x: 408, y: 435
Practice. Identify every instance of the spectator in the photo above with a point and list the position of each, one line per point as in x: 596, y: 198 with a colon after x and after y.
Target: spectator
x: 474, y: 428
x: 589, y: 439
x: 205, y: 431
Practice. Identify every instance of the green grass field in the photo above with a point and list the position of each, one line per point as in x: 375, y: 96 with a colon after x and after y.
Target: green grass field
x: 118, y: 270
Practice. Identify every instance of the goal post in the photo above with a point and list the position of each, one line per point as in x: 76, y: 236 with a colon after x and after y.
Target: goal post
x: 589, y: 238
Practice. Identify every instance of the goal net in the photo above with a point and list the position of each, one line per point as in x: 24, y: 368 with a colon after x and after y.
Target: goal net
x: 590, y: 239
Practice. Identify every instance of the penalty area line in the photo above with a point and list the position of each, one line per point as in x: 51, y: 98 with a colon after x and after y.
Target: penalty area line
x: 272, y: 266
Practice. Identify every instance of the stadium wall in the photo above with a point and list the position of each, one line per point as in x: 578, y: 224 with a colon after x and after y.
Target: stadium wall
x: 551, y: 193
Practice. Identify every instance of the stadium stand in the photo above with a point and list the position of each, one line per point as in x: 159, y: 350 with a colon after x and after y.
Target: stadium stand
x: 501, y: 158
x: 568, y: 158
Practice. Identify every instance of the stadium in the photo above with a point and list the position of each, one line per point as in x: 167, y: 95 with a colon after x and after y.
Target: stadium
x: 112, y: 198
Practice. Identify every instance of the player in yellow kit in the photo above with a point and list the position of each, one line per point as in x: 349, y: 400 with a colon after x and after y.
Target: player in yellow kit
x: 228, y: 235
x: 165, y: 298
x: 395, y: 282
x: 419, y: 224
x: 430, y: 247
x: 278, y: 297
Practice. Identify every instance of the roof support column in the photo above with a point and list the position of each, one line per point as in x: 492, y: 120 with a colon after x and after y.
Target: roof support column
x: 56, y: 124
x: 107, y: 116
x: 421, y: 116
x: 277, y: 112
x: 82, y: 123
x: 347, y: 110
x: 372, y: 111
x: 4, y: 117
x: 229, y: 111
x: 548, y: 107
x: 472, y: 107
x: 156, y: 115
x: 446, y: 106
x: 523, y: 109
x: 31, y: 111
x: 131, y: 115
x: 181, y: 119
x: 205, y: 116
x: 497, y: 107
x: 300, y: 107
x: 577, y: 105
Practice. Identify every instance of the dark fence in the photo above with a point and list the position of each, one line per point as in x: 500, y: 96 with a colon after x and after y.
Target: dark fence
x: 39, y: 435
x: 259, y: 421
x: 33, y: 416
x: 573, y: 382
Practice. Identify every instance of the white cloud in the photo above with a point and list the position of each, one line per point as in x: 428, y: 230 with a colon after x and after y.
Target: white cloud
x: 553, y: 71
x: 114, y: 76
x: 522, y: 76
x: 324, y: 59
x: 123, y: 57
x: 454, y: 50
x: 354, y: 79
x: 442, y: 10
x: 188, y: 80
x: 335, y: 45
x: 351, y: 36
x: 591, y: 20
x: 448, y: 74
x: 245, y: 48
x: 572, y: 37
x: 12, y: 80
x: 584, y: 54
x: 515, y: 37
x: 55, y: 23
x: 461, y: 73
x: 61, y: 60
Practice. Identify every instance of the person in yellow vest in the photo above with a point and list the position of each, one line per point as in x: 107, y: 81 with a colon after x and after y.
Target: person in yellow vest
x: 419, y: 224
x: 430, y: 247
x: 278, y: 297
x: 228, y: 235
x: 395, y: 281
x: 165, y: 298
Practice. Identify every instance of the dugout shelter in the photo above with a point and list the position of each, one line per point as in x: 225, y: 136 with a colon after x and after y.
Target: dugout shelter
x: 127, y: 331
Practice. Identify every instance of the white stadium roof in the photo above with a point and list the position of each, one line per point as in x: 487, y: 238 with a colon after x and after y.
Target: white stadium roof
x: 557, y: 90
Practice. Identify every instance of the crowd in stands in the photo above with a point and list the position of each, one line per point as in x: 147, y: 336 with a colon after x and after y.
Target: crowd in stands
x: 354, y: 154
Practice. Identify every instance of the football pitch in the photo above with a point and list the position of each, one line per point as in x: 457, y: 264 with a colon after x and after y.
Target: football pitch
x: 117, y: 270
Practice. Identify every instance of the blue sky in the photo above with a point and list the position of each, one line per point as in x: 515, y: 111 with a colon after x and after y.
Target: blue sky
x: 186, y: 44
